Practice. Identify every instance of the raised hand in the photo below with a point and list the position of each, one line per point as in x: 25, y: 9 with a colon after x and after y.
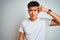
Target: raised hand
x: 43, y: 9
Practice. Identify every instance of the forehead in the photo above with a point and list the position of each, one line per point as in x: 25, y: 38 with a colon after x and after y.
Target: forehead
x: 32, y: 8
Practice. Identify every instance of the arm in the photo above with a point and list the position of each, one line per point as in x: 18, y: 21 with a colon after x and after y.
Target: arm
x: 53, y: 23
x: 56, y: 18
x: 21, y: 37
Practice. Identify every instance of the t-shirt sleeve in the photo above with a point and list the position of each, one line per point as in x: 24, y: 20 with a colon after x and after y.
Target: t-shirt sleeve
x: 48, y: 21
x: 21, y: 29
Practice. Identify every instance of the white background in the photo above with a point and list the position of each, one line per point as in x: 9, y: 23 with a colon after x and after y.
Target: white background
x: 14, y: 11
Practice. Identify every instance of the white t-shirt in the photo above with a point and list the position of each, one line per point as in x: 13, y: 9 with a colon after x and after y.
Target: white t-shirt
x: 35, y: 30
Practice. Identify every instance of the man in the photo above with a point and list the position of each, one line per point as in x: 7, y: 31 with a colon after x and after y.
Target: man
x: 34, y: 28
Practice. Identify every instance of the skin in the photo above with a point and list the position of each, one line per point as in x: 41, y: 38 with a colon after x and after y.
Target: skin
x: 33, y: 13
x: 56, y: 18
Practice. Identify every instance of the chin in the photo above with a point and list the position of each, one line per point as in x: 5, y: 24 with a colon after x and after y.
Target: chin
x: 32, y: 17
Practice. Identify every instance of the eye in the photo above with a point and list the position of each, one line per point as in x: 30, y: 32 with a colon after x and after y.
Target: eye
x: 34, y: 10
x: 29, y: 10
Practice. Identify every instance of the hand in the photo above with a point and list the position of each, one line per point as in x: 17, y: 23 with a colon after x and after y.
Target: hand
x: 43, y: 9
x: 40, y: 8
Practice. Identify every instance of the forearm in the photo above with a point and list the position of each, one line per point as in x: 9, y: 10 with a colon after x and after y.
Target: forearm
x: 21, y: 38
x: 55, y: 16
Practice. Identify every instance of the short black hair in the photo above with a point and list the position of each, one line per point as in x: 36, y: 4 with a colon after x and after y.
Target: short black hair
x: 32, y: 4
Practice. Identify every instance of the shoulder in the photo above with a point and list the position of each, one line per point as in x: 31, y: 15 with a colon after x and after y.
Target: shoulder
x: 47, y: 21
x: 44, y: 18
x: 24, y: 21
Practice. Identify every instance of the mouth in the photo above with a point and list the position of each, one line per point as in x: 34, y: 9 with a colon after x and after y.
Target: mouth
x: 31, y: 15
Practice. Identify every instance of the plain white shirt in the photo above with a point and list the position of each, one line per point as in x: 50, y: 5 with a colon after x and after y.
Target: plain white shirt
x: 35, y: 30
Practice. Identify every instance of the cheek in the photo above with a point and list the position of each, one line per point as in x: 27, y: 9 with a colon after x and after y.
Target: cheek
x: 37, y: 13
x: 29, y: 13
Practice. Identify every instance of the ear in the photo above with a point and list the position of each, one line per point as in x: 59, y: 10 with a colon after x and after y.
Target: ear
x: 39, y: 8
x: 38, y: 11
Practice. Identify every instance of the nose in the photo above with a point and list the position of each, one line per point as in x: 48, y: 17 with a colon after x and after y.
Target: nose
x: 33, y: 12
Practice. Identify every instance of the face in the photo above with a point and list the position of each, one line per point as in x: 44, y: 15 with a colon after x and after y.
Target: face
x: 33, y: 12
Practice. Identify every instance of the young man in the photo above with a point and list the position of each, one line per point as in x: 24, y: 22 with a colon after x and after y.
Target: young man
x: 34, y: 28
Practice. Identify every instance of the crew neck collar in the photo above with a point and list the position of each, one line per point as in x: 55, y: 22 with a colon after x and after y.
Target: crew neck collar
x: 34, y: 21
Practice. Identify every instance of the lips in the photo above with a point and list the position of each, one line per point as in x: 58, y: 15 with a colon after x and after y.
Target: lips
x: 32, y: 15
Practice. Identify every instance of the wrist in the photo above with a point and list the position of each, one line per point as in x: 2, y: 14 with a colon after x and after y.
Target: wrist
x: 48, y: 12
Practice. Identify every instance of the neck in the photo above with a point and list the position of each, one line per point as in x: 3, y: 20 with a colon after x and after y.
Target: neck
x: 33, y: 19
